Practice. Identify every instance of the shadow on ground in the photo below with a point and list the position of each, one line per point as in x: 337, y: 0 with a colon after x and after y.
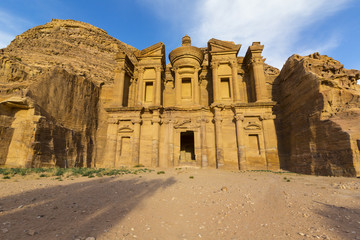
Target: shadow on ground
x: 344, y: 221
x: 80, y: 209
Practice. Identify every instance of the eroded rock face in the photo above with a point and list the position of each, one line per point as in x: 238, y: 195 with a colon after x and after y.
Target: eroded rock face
x: 50, y: 81
x: 318, y: 116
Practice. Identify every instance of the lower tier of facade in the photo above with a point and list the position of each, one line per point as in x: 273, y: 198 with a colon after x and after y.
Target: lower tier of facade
x: 230, y: 137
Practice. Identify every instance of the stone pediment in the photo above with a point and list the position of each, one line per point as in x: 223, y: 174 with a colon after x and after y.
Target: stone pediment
x: 125, y: 129
x: 252, y: 126
x: 216, y: 45
x: 155, y: 50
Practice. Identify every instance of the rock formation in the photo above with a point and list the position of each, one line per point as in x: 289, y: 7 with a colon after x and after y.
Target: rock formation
x: 71, y: 95
x: 50, y: 80
x: 318, y: 113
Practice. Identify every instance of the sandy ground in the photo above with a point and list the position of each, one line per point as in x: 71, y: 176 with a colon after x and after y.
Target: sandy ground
x: 181, y: 204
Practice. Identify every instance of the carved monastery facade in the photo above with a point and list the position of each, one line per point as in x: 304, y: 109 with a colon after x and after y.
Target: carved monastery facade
x: 206, y: 108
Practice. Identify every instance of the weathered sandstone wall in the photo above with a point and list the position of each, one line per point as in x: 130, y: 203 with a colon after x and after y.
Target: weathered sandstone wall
x: 50, y: 82
x: 318, y: 116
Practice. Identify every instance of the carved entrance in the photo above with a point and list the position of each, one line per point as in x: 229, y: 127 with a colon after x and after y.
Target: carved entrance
x: 187, y: 148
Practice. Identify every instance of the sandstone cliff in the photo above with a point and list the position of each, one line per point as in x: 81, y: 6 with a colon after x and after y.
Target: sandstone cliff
x: 318, y: 116
x: 50, y: 81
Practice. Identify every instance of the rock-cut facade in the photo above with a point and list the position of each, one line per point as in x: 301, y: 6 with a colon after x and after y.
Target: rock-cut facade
x: 206, y: 108
x: 73, y: 96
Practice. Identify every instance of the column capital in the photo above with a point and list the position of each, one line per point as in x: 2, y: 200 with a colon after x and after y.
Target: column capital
x: 113, y: 120
x: 175, y: 69
x: 120, y: 69
x: 257, y: 60
x: 165, y: 121
x: 197, y: 69
x: 233, y: 63
x: 156, y: 120
x: 158, y: 68
x: 217, y: 120
x: 202, y: 120
x: 214, y: 64
x: 140, y: 69
x: 239, y: 117
x: 267, y: 117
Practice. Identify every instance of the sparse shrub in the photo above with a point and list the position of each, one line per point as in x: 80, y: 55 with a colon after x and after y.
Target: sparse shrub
x: 38, y: 170
x: 191, y: 177
x: 138, y: 166
x: 59, y: 172
x: 160, y: 172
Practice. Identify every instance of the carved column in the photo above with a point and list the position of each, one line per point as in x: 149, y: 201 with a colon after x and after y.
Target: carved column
x: 196, y: 86
x: 155, y: 141
x: 131, y: 93
x: 177, y: 88
x: 259, y: 78
x: 218, y: 139
x: 204, y: 157
x: 239, y: 119
x: 235, y: 81
x: 271, y: 152
x: 243, y: 91
x: 140, y: 85
x: 214, y: 67
x: 136, y: 141
x: 119, y: 86
x: 111, y: 141
x: 157, y: 95
x: 171, y: 143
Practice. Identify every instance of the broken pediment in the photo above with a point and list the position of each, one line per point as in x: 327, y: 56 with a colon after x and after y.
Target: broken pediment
x: 216, y: 45
x: 155, y: 50
x: 252, y: 126
x: 125, y: 129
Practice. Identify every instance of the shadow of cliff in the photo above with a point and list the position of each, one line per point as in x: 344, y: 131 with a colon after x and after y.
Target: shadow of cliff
x: 80, y: 209
x: 344, y: 221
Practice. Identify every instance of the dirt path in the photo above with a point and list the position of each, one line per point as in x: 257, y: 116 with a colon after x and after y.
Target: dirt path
x: 182, y: 204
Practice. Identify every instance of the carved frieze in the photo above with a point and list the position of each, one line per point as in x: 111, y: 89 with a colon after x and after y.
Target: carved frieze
x: 186, y: 124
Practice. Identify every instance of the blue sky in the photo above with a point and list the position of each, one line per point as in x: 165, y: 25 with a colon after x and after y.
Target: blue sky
x: 285, y: 27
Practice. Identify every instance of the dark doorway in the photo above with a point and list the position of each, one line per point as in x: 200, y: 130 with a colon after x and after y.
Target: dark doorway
x: 187, y: 149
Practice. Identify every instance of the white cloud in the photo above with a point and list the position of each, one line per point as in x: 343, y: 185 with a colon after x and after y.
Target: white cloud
x: 278, y: 24
x: 11, y: 25
x: 5, y: 39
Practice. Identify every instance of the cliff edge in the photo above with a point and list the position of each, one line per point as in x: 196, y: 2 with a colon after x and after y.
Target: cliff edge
x: 318, y: 116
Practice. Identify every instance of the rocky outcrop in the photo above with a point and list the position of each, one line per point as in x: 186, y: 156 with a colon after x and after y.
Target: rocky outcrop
x: 318, y: 116
x: 50, y: 82
x: 77, y: 47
